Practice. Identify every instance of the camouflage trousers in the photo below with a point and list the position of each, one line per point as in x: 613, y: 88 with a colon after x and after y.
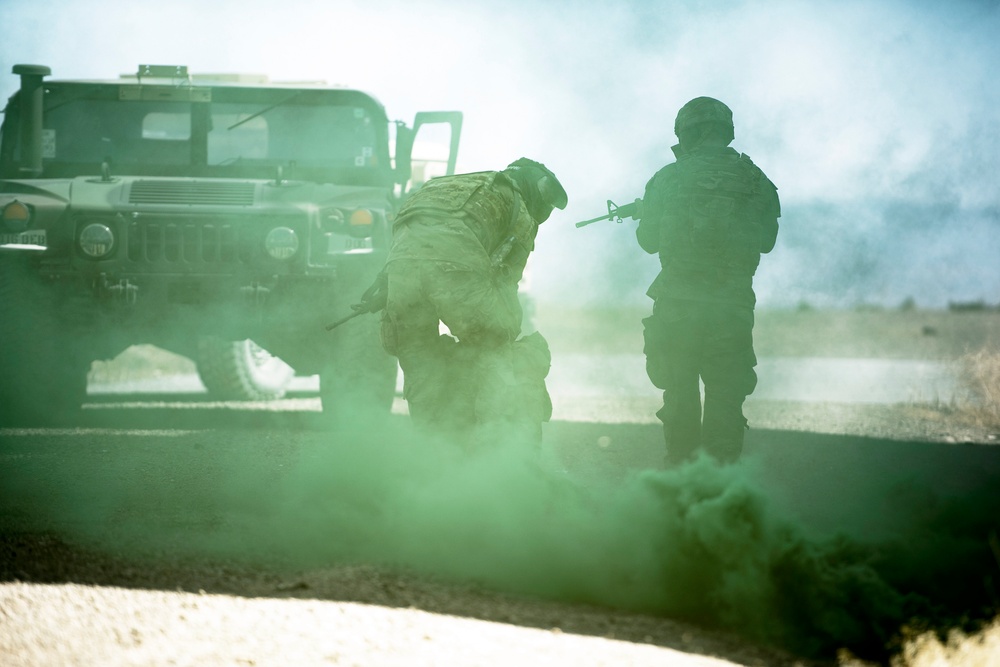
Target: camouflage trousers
x: 689, y: 343
x: 479, y: 384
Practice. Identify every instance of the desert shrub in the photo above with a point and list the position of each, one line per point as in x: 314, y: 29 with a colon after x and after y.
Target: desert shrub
x: 967, y: 306
x: 980, y: 373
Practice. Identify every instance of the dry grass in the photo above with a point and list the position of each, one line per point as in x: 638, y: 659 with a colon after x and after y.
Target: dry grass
x: 960, y: 650
x: 981, y: 375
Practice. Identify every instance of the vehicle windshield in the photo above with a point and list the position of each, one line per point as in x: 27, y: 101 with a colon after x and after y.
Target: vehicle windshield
x: 304, y: 133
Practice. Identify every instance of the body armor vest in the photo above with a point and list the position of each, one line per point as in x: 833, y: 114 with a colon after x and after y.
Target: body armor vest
x: 472, y: 195
x: 489, y: 206
x: 710, y: 231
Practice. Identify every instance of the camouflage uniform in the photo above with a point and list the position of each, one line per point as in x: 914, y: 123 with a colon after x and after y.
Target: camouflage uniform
x: 460, y: 245
x: 709, y: 215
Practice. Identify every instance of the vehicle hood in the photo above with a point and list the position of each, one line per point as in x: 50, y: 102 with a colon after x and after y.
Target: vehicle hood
x: 125, y: 193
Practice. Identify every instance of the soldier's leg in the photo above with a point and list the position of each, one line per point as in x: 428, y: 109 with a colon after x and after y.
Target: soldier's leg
x: 672, y: 357
x: 729, y: 378
x: 512, y: 401
x: 507, y: 378
x: 477, y: 309
x: 410, y: 331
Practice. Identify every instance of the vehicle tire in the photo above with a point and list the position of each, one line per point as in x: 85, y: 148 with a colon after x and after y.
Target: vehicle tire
x: 241, y: 370
x: 360, y: 376
x: 42, y: 362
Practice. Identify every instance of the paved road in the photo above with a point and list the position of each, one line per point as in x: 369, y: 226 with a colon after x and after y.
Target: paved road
x: 616, y: 384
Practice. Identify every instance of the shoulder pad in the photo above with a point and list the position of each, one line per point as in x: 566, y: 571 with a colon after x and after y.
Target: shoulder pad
x: 454, y: 176
x: 657, y: 179
x: 746, y: 158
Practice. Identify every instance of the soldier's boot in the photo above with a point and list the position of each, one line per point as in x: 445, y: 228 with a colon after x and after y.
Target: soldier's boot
x: 724, y: 428
x: 681, y: 427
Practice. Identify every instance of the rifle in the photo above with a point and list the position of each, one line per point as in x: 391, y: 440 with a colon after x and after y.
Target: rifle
x: 372, y: 301
x: 617, y: 213
x: 334, y: 325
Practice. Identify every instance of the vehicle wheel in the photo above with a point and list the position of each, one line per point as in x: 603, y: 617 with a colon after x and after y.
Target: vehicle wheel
x: 241, y: 370
x: 42, y: 365
x: 360, y: 375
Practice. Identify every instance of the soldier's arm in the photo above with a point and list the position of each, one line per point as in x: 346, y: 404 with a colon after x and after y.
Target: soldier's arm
x: 769, y: 225
x: 648, y: 231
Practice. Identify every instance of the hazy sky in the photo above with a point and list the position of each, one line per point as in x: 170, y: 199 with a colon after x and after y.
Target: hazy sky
x: 853, y: 108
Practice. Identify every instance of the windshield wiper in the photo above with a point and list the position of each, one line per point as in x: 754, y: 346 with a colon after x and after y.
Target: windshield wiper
x: 265, y: 110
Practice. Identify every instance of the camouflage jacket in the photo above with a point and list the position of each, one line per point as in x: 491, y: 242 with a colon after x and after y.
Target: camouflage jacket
x: 478, y: 221
x: 709, y: 215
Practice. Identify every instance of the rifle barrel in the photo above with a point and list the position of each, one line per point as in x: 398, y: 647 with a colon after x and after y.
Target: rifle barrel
x: 583, y: 223
x: 334, y: 325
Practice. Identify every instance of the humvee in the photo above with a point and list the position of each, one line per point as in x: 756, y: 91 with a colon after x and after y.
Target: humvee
x: 225, y: 218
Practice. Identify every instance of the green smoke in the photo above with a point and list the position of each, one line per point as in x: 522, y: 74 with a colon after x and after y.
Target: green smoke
x: 703, y: 543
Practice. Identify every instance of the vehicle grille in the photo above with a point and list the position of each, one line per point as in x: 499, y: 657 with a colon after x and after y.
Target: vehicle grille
x: 192, y: 242
x: 213, y: 193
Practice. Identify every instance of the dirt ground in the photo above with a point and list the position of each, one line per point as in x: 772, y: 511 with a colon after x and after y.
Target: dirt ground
x: 94, y: 579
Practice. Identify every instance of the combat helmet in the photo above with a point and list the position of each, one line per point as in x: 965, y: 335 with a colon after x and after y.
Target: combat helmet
x: 702, y: 110
x: 545, y: 191
x: 548, y: 185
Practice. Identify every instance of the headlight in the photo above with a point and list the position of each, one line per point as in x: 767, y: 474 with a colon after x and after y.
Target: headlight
x: 361, y: 223
x: 281, y: 243
x: 97, y: 240
x: 16, y: 216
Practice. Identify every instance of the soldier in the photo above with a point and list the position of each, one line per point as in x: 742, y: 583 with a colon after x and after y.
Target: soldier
x: 459, y: 248
x: 709, y: 215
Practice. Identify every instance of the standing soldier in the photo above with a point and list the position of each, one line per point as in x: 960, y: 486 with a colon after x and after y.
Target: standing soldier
x: 460, y: 244
x: 709, y: 215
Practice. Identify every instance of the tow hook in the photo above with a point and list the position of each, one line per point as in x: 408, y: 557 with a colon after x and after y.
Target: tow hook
x: 122, y: 292
x: 255, y: 294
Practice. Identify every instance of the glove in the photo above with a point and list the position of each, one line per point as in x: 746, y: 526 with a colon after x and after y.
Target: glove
x: 374, y: 298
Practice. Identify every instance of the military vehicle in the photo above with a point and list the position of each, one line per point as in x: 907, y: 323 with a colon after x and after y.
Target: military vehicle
x: 222, y: 217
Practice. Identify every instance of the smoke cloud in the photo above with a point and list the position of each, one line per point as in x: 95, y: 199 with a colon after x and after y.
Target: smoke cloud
x: 878, y: 123
x: 854, y: 109
x: 709, y: 544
